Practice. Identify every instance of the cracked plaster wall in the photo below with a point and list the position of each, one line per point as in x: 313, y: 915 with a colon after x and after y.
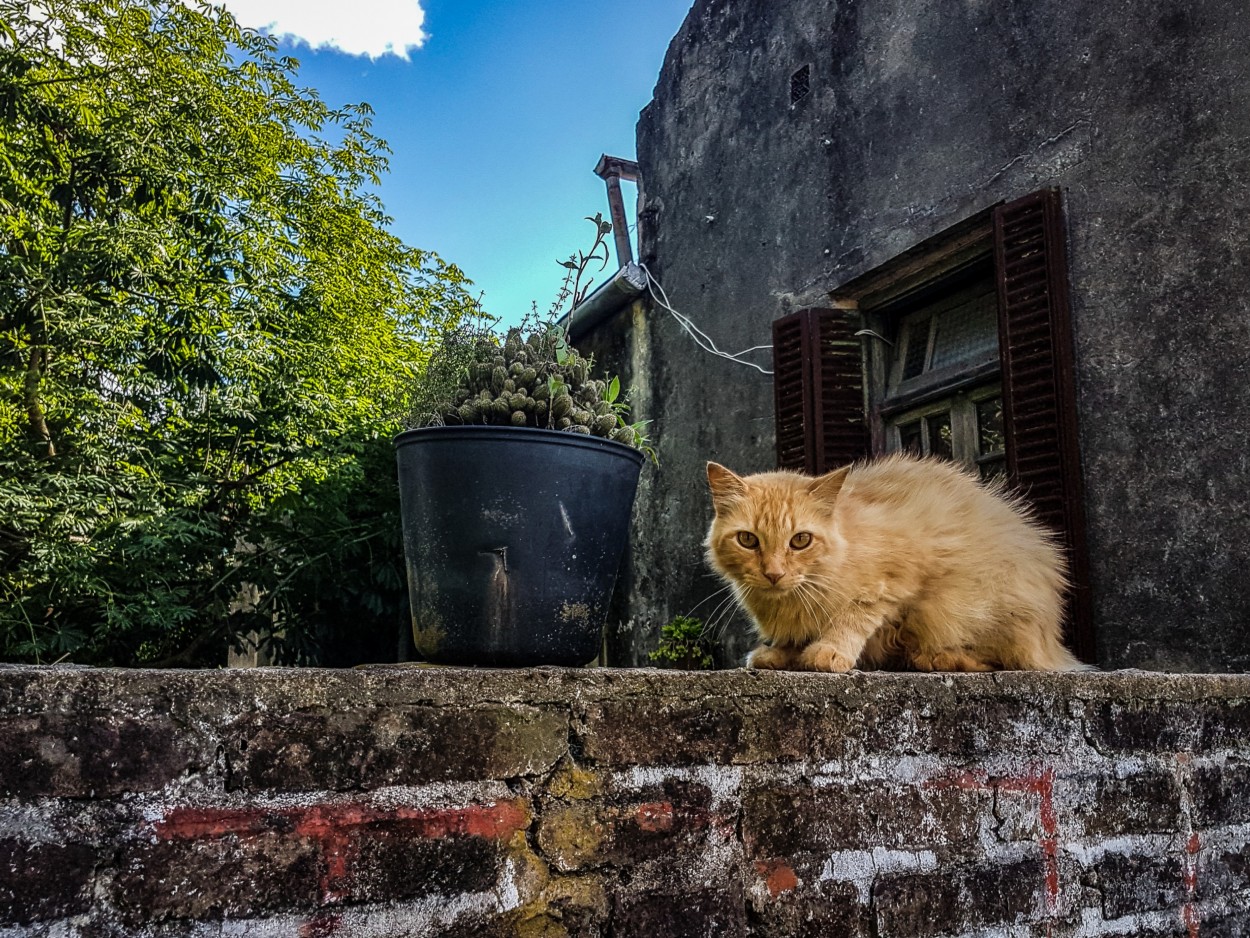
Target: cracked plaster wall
x: 920, y: 115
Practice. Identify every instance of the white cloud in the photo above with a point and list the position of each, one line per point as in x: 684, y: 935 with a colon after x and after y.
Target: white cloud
x: 356, y: 27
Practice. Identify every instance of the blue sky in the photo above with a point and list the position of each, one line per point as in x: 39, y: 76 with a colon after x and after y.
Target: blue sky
x: 496, y: 117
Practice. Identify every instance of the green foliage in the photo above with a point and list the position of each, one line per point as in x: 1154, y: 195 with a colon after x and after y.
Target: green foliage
x: 207, y: 336
x: 685, y: 644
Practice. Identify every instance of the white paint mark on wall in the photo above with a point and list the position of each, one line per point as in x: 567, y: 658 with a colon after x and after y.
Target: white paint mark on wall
x: 861, y: 867
x: 723, y: 781
x: 1147, y: 845
x: 509, y: 895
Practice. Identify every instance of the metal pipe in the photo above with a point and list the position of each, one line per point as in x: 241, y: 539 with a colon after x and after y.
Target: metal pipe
x: 612, y: 169
x: 624, y: 287
x: 620, y: 229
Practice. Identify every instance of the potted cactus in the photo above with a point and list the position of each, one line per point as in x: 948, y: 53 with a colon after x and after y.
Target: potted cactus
x: 517, y: 482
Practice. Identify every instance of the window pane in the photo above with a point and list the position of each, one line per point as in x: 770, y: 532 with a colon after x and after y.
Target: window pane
x: 967, y: 333
x: 917, y: 345
x: 940, y: 435
x: 909, y: 438
x: 990, y: 437
x: 992, y: 469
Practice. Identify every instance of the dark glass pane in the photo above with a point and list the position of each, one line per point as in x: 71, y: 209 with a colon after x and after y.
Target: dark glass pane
x: 990, y: 437
x: 909, y: 438
x: 940, y: 435
x: 992, y: 469
x: 917, y: 345
x: 967, y: 333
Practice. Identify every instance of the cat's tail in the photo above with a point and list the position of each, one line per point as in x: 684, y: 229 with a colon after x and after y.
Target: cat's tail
x: 1061, y: 659
x: 1042, y: 649
x: 1078, y: 665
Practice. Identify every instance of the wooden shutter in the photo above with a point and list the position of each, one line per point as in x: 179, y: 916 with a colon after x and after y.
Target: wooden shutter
x: 790, y: 393
x: 1039, y: 394
x: 818, y: 386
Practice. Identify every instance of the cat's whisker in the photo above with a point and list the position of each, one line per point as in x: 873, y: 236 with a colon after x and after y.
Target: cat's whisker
x: 718, y: 612
x: 821, y: 578
x: 823, y: 598
x: 724, y: 613
x: 721, y: 597
x: 826, y: 588
x: 738, y: 600
x: 810, y: 603
x: 723, y: 589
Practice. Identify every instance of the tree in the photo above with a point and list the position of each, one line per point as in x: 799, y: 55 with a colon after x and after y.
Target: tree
x: 207, y: 333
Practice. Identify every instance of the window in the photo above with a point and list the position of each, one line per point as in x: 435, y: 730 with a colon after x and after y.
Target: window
x: 800, y: 84
x: 965, y: 353
x: 964, y: 427
x: 943, y: 396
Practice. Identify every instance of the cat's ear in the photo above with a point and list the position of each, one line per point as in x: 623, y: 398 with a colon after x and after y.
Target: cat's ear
x: 724, y: 484
x: 827, y: 487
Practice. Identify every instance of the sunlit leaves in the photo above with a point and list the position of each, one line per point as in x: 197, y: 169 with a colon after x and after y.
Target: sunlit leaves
x: 207, y: 330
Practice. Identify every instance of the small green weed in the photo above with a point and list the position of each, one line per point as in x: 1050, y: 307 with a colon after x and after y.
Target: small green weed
x: 685, y: 644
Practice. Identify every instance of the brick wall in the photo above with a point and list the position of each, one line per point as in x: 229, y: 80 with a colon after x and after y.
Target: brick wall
x: 404, y: 802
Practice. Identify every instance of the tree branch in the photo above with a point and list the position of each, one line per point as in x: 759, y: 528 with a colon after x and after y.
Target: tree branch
x: 34, y: 406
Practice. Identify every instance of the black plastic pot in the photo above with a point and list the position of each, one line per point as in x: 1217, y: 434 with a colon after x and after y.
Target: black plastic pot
x: 512, y: 538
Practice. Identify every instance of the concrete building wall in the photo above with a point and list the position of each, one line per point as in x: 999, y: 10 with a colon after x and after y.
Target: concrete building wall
x: 920, y: 115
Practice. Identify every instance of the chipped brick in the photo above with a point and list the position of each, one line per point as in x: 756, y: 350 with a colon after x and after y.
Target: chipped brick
x: 858, y: 816
x: 917, y: 905
x: 92, y: 754
x: 1137, y: 883
x: 42, y: 881
x: 344, y: 750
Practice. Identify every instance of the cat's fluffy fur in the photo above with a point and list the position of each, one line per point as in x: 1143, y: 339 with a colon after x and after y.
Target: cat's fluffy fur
x: 896, y: 563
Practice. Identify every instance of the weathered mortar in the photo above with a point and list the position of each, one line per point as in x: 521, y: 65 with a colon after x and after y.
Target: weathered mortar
x: 920, y: 115
x: 387, y: 802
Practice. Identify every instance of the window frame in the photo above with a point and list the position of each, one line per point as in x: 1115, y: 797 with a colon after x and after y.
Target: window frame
x: 962, y: 406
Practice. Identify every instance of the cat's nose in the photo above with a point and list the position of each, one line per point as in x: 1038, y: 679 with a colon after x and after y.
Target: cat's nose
x: 773, y: 576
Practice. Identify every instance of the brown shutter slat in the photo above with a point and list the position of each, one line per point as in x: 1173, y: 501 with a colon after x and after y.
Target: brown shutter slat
x: 790, y: 393
x: 1039, y: 394
x: 818, y: 387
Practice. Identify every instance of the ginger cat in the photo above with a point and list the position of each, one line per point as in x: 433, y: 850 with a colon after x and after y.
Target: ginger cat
x: 894, y: 563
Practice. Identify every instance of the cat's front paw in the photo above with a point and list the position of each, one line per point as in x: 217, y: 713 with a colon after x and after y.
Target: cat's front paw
x: 949, y: 661
x: 771, y: 657
x: 820, y: 656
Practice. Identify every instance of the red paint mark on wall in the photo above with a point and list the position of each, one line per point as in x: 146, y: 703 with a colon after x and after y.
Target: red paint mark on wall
x: 1189, y: 912
x: 778, y: 876
x: 493, y: 821
x: 655, y: 816
x: 1193, y: 846
x: 338, y: 828
x: 965, y: 781
x: 663, y: 817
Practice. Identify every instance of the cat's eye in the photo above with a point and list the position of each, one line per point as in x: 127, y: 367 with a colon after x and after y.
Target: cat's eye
x: 800, y: 540
x: 748, y: 540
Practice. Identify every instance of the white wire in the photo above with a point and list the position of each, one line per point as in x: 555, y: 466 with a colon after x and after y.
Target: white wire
x: 701, y: 338
x: 875, y: 335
